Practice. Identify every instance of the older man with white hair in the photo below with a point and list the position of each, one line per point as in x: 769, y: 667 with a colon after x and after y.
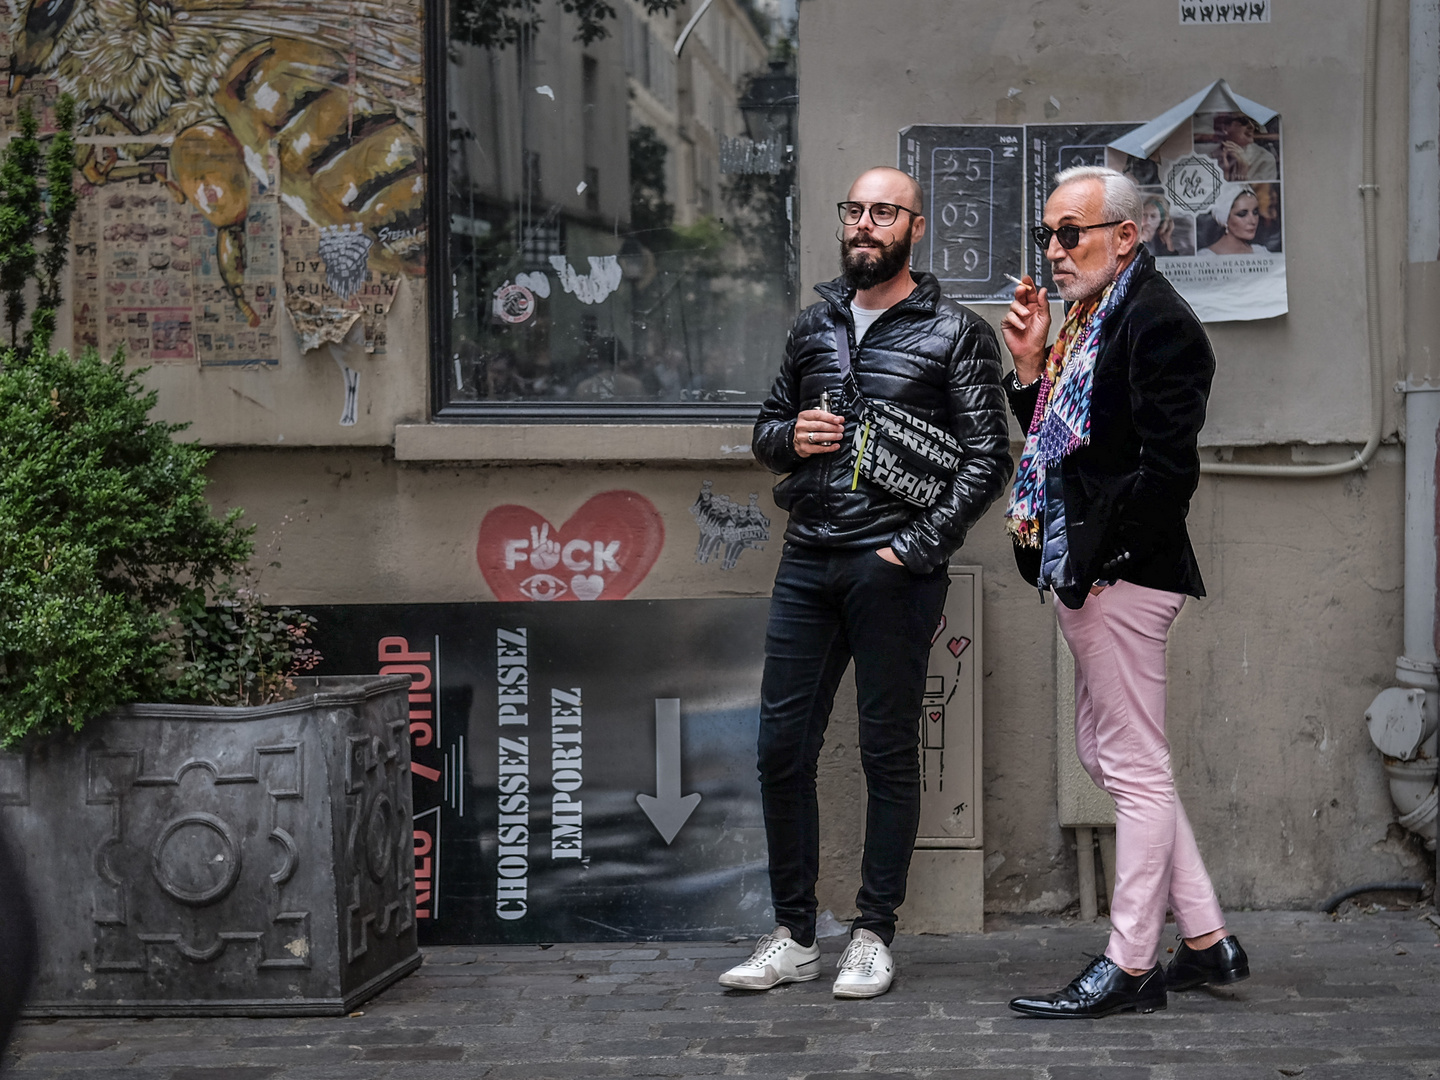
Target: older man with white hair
x: 1112, y: 412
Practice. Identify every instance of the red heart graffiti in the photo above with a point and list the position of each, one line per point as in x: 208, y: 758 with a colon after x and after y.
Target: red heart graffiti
x: 604, y: 550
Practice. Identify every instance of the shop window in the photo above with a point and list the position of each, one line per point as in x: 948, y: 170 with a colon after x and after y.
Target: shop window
x: 617, y: 221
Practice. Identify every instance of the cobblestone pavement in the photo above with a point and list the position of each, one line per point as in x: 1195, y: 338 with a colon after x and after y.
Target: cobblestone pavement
x: 1356, y: 998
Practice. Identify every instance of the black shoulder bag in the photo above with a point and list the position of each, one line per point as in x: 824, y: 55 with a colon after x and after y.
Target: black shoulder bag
x: 898, y: 453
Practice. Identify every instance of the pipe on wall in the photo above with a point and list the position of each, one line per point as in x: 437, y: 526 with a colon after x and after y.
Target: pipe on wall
x: 1424, y: 170
x: 1422, y: 427
x: 1369, y: 192
x: 1404, y: 720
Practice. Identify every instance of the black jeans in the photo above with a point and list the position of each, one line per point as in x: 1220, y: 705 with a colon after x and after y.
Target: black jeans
x: 829, y: 606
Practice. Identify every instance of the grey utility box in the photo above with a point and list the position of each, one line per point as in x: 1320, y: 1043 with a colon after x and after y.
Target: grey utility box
x: 946, y: 893
x: 197, y: 860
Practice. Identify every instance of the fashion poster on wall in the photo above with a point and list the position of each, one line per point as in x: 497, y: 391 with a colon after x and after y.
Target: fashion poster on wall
x: 1209, y: 171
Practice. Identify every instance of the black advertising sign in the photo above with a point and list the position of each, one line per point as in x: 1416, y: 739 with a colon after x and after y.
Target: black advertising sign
x: 985, y: 187
x: 973, y: 177
x: 582, y: 772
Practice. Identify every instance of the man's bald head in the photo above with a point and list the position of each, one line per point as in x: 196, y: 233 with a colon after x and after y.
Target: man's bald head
x: 884, y: 184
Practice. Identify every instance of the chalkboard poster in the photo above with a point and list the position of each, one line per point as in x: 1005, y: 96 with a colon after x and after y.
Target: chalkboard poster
x: 973, y: 177
x: 1050, y: 148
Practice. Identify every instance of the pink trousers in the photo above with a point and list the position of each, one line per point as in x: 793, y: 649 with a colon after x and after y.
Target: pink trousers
x: 1118, y: 640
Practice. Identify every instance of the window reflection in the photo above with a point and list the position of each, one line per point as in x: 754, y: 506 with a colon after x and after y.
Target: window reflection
x: 622, y: 218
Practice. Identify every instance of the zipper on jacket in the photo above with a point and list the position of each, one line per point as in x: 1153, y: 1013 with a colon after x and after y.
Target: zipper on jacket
x: 826, y: 481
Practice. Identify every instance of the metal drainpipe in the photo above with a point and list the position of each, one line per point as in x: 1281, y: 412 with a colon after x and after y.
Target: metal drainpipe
x: 1422, y: 336
x: 1403, y: 720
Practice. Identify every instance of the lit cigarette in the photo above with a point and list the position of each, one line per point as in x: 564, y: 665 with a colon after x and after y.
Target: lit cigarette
x: 1012, y: 277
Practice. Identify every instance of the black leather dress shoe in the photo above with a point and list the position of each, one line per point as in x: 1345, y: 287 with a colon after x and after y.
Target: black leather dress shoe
x: 1101, y: 989
x: 1224, y: 962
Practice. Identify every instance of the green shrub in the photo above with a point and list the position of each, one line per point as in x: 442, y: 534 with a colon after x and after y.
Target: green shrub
x: 109, y: 552
x: 237, y: 651
x: 105, y: 540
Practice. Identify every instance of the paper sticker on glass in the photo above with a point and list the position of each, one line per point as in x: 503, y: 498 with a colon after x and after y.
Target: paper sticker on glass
x: 621, y: 203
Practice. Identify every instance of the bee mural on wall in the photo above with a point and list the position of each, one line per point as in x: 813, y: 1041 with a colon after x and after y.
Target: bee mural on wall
x: 224, y: 87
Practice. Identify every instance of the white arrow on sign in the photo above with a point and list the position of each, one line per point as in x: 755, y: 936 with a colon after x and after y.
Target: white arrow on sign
x: 667, y: 809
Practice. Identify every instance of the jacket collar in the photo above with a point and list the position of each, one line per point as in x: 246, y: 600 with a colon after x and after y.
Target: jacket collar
x: 839, y: 293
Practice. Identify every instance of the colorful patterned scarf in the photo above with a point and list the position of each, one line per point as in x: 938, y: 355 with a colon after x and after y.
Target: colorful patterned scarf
x: 1061, y: 422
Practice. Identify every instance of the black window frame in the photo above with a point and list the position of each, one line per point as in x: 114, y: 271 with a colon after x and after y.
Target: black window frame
x: 439, y: 299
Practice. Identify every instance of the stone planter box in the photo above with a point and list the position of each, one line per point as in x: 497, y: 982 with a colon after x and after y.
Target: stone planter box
x: 196, y: 860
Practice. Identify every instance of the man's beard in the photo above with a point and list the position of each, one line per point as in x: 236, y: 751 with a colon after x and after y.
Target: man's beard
x: 876, y: 265
x: 1084, y: 286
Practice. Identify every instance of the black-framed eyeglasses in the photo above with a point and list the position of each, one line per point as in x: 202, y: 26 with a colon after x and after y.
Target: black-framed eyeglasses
x: 881, y: 213
x: 1068, y: 235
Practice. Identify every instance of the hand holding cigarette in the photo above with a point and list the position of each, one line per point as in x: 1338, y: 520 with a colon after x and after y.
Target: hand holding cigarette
x: 1026, y: 328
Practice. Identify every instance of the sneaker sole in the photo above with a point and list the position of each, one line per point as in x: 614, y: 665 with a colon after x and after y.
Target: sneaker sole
x: 841, y: 992
x: 781, y: 981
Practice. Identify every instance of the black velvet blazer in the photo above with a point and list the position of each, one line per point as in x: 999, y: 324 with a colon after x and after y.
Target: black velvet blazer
x: 1128, y: 490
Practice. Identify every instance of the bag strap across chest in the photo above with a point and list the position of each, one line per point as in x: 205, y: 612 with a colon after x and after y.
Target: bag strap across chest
x: 847, y: 372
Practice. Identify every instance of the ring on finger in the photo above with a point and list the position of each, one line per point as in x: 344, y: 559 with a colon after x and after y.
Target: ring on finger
x: 812, y: 436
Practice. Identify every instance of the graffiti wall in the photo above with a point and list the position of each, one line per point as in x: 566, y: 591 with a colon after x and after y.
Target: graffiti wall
x: 239, y: 159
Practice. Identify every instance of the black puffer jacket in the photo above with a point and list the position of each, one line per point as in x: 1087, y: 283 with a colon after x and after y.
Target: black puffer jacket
x: 927, y: 354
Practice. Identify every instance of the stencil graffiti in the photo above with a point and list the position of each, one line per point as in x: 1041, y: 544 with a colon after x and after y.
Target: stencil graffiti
x: 345, y: 250
x: 1194, y: 14
x: 726, y: 524
x: 603, y: 551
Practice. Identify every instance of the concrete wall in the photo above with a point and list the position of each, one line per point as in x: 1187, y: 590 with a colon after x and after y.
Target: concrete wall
x: 299, y: 402
x: 356, y: 527
x: 867, y: 70
x: 1270, y: 673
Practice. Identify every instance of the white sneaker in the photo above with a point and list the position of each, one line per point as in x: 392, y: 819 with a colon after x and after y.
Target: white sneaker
x: 866, y: 967
x: 778, y: 958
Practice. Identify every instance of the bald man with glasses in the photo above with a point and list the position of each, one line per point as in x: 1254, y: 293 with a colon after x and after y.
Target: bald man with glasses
x: 1112, y: 413
x: 864, y: 573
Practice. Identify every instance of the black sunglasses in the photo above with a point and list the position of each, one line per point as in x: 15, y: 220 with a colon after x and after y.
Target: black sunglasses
x: 881, y: 213
x: 1068, y: 235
